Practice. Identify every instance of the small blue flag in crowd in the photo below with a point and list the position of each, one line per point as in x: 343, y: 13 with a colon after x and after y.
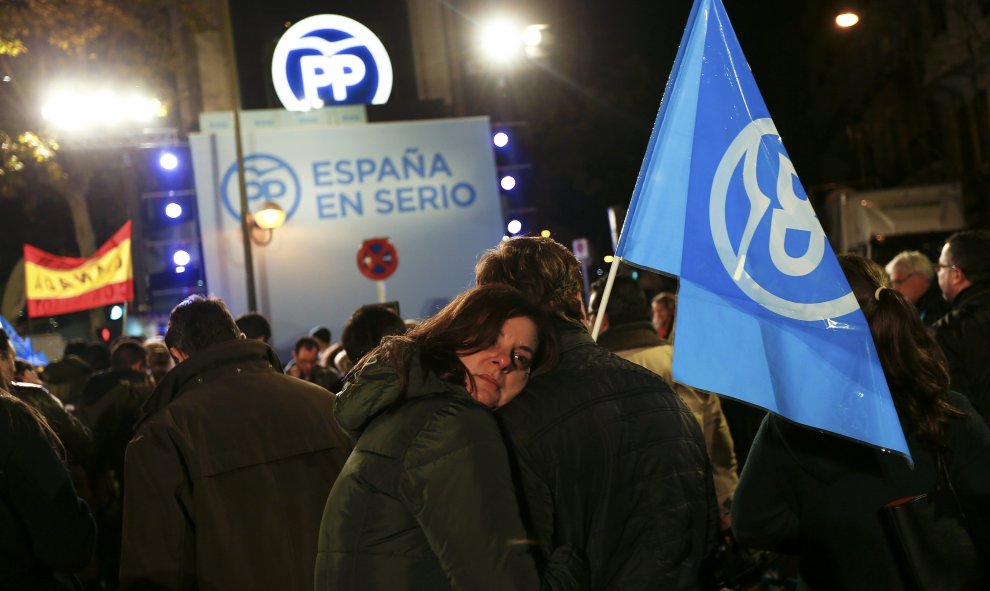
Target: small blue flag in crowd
x: 23, y: 347
x: 765, y: 314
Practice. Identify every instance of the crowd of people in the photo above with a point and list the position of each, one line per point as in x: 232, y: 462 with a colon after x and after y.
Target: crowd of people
x: 495, y: 445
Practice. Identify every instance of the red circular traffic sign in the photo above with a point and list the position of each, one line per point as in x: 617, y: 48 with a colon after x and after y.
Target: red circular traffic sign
x: 377, y: 259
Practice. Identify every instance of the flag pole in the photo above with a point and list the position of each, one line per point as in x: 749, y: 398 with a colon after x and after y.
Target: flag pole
x: 123, y: 322
x: 603, y: 303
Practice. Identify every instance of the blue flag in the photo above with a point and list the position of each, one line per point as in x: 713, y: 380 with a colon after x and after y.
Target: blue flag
x: 765, y: 314
x: 23, y: 348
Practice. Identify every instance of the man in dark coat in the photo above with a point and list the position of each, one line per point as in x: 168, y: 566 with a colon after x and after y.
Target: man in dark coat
x: 305, y: 365
x: 230, y: 468
x: 47, y: 530
x: 76, y: 438
x: 110, y: 404
x: 610, y: 460
x: 964, y: 333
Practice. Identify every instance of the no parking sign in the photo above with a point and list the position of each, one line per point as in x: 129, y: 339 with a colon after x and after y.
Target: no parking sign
x: 377, y: 259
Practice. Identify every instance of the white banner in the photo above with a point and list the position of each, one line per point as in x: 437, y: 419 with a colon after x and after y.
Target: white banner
x: 430, y: 187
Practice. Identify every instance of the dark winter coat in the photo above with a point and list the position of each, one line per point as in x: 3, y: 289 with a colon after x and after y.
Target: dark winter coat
x: 110, y: 405
x: 425, y: 502
x: 76, y: 438
x: 809, y: 493
x: 931, y: 305
x: 45, y: 528
x: 228, y: 474
x: 614, y: 463
x: 964, y: 335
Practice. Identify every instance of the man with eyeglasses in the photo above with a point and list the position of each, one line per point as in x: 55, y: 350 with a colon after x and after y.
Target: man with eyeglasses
x: 912, y: 274
x: 964, y: 333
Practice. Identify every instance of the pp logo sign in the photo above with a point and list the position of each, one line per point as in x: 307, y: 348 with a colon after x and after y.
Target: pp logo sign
x: 788, y: 252
x: 267, y: 178
x: 330, y: 59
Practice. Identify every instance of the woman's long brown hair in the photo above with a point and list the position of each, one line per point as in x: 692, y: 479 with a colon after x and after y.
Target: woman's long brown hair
x: 913, y: 363
x: 470, y: 323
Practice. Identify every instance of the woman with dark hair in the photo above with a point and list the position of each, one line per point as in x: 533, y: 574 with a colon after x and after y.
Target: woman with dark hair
x: 46, y: 530
x: 815, y: 494
x: 426, y: 500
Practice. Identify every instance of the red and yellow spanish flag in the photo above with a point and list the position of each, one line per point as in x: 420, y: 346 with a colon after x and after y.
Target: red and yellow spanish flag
x: 59, y: 285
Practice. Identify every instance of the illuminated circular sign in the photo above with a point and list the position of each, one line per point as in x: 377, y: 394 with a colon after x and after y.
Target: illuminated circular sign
x: 330, y: 60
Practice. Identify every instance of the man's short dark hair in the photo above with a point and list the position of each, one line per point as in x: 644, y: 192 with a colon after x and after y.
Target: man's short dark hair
x: 970, y: 251
x: 627, y: 302
x: 255, y: 326
x: 198, y: 323
x: 126, y: 353
x: 367, y: 327
x: 74, y: 347
x: 321, y: 333
x: 541, y: 268
x: 305, y: 343
x: 97, y: 356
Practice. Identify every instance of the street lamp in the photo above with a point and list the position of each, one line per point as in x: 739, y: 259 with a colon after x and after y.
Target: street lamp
x: 501, y: 40
x: 846, y: 19
x: 265, y: 221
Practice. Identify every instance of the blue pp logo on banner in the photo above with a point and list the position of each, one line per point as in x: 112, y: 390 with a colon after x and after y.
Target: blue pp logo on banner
x: 777, y: 256
x: 330, y: 60
x: 267, y: 178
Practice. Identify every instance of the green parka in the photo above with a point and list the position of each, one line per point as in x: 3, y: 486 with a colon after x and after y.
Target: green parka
x: 425, y: 500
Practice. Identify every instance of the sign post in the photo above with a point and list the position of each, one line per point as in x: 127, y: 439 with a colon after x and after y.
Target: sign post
x: 580, y: 249
x: 377, y: 259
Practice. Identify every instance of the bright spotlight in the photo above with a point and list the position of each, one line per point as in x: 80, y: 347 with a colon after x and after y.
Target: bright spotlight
x: 545, y: 233
x: 500, y: 139
x: 116, y: 313
x: 500, y: 40
x: 508, y: 182
x: 514, y: 227
x: 847, y: 19
x: 180, y: 269
x: 173, y: 210
x: 74, y: 109
x: 168, y: 161
x: 181, y: 258
x: 533, y: 35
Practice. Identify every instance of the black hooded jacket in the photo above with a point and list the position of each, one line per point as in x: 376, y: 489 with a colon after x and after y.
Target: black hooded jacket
x: 614, y: 463
x: 964, y: 335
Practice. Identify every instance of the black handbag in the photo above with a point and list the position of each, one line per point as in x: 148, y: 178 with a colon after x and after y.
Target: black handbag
x: 929, y: 539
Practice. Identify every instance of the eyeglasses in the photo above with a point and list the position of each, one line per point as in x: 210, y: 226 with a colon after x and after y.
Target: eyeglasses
x: 940, y: 266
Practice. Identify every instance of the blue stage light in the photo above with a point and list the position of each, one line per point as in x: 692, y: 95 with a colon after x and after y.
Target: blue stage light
x: 173, y: 210
x: 168, y: 161
x: 181, y: 258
